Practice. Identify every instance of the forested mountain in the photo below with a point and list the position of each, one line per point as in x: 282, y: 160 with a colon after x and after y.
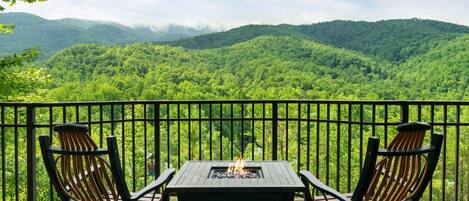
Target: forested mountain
x: 394, y: 40
x: 442, y: 70
x: 264, y: 67
x: 54, y: 35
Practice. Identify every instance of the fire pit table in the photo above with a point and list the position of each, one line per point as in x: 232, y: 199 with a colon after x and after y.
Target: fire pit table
x: 214, y: 181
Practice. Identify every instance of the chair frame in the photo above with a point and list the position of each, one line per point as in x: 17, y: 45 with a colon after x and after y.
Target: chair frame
x: 368, y: 170
x: 117, y: 174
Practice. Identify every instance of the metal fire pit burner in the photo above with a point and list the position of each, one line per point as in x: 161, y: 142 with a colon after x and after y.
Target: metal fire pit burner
x: 248, y: 173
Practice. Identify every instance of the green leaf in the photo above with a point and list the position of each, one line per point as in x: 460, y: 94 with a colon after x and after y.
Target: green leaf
x: 6, y: 28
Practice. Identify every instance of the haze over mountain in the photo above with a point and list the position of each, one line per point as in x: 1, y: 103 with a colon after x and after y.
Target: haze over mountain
x: 54, y: 35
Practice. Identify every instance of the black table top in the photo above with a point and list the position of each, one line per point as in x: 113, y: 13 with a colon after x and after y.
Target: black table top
x: 193, y: 177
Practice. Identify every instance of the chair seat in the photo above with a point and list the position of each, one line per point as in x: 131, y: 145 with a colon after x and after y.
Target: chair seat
x: 148, y: 197
x: 330, y: 198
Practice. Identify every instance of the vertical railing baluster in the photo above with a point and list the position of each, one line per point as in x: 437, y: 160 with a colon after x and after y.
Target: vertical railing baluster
x: 443, y: 181
x: 373, y: 120
x: 221, y: 131
x: 404, y: 112
x: 328, y: 133
x: 134, y: 179
x: 101, y: 126
x: 31, y: 152
x: 308, y: 135
x: 274, y: 130
x: 419, y: 112
x: 64, y: 114
x: 2, y: 118
x: 337, y: 178
x: 286, y: 131
x: 242, y: 129
x: 189, y: 151
x: 349, y: 148
x: 89, y: 118
x: 51, y: 125
x: 156, y: 145
x: 361, y: 136
x: 232, y: 130
x: 298, y: 154
x: 318, y: 130
x: 456, y: 168
x: 200, y: 131
x: 252, y: 131
x: 168, y: 133
x: 112, y: 120
x: 263, y: 131
x: 15, y: 124
x: 123, y: 138
x: 145, y: 155
x: 210, y: 129
x: 77, y: 114
x: 385, y: 125
x: 432, y: 121
x: 179, y: 133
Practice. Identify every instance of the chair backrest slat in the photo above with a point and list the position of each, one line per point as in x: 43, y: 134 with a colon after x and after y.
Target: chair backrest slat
x: 79, y: 176
x: 400, y: 176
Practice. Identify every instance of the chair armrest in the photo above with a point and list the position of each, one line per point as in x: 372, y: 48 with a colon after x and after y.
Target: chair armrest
x: 163, y: 179
x: 307, y: 176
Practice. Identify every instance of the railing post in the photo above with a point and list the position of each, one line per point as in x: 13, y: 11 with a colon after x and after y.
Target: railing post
x: 404, y: 112
x: 274, y: 130
x: 157, y: 144
x: 31, y: 152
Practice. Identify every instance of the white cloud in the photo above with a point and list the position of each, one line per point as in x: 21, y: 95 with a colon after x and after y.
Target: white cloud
x: 230, y: 13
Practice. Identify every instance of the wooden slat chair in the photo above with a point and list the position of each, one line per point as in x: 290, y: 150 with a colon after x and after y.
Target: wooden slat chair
x: 80, y: 172
x: 402, y: 173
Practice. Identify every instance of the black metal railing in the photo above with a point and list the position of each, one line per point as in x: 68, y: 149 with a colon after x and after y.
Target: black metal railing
x: 325, y: 137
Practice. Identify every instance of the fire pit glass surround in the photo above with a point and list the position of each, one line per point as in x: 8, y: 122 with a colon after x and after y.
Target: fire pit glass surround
x: 226, y: 173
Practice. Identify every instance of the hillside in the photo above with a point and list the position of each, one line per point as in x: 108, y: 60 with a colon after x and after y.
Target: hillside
x: 394, y: 40
x: 53, y: 35
x: 266, y: 67
x: 442, y: 70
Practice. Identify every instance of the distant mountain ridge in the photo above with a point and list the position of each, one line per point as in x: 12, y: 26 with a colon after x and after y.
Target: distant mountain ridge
x: 394, y: 40
x: 54, y: 35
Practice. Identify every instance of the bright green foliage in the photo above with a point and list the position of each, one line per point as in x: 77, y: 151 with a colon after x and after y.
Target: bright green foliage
x: 17, y: 79
x: 263, y: 68
x: 440, y: 73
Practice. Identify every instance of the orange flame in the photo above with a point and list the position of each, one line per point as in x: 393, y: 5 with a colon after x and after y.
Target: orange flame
x: 237, y: 166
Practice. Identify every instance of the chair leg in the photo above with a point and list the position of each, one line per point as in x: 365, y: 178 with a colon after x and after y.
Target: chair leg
x: 308, y: 196
x: 165, y: 196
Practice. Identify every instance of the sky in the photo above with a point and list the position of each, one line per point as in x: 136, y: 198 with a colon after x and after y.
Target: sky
x: 233, y: 13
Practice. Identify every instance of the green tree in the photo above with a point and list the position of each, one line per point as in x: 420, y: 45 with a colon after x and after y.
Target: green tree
x: 15, y: 78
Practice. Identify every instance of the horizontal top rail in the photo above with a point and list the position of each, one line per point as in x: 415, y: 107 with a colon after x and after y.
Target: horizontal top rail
x: 371, y: 102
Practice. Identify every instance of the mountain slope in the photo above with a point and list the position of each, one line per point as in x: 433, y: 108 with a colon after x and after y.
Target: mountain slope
x: 394, y: 40
x: 442, y: 72
x: 266, y: 67
x: 54, y: 35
